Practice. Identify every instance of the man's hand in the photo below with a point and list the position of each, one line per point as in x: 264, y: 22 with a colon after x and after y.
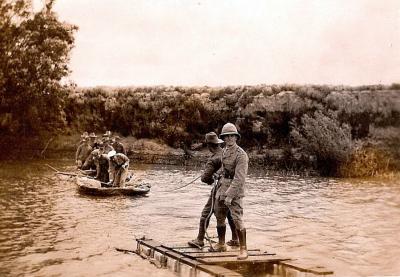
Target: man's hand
x: 216, y: 176
x: 228, y: 201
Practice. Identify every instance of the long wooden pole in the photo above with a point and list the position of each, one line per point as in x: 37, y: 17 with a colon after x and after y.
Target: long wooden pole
x: 55, y: 169
x: 63, y: 173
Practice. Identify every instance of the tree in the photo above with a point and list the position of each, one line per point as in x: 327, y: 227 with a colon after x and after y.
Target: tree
x: 34, y: 56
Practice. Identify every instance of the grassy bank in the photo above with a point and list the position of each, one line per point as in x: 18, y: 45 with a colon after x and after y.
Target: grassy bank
x: 336, y: 130
x: 288, y: 161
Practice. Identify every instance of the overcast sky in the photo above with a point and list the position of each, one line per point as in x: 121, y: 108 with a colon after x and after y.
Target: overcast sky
x: 232, y: 42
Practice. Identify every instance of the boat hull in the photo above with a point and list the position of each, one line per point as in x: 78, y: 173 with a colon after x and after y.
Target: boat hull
x: 93, y: 187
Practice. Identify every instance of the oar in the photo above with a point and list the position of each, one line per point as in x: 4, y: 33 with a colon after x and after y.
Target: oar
x: 55, y: 169
x: 63, y: 173
x: 185, y: 184
x: 87, y: 171
x: 68, y: 174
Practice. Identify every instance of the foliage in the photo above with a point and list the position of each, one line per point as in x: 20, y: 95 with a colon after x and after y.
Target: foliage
x: 267, y: 116
x: 366, y: 160
x: 34, y: 55
x: 181, y: 115
x: 322, y: 135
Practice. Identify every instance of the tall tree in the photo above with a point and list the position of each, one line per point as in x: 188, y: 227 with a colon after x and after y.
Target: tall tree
x: 34, y: 56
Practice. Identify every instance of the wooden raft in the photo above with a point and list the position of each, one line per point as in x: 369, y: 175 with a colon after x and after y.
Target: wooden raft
x: 221, y: 264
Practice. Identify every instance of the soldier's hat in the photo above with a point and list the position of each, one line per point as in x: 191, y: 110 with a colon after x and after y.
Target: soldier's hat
x: 112, y: 153
x: 213, y: 138
x: 92, y: 135
x: 107, y: 134
x: 229, y: 129
x: 85, y: 135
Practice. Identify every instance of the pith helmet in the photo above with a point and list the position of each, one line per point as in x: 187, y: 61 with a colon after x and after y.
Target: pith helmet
x: 213, y: 138
x: 111, y: 154
x: 92, y: 135
x: 229, y: 129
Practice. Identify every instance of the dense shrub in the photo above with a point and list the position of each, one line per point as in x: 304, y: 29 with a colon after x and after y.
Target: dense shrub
x: 180, y: 116
x: 323, y: 136
x: 366, y: 161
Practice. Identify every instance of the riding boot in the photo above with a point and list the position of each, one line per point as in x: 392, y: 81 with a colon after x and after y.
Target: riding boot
x: 220, y: 246
x: 234, y: 242
x: 243, y: 246
x: 199, y: 241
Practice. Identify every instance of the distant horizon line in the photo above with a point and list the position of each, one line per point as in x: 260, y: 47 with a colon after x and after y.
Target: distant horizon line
x: 243, y: 85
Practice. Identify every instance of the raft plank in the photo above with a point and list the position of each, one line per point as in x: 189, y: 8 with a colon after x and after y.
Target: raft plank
x: 250, y: 259
x: 177, y: 256
x: 219, y: 271
x: 149, y: 243
x: 185, y: 245
x: 192, y: 250
x: 228, y: 254
x: 317, y: 270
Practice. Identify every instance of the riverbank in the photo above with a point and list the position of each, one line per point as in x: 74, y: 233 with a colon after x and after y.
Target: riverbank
x: 150, y: 151
x: 286, y: 161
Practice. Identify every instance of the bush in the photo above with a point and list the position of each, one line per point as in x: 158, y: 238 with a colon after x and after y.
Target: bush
x: 366, y: 161
x: 323, y: 136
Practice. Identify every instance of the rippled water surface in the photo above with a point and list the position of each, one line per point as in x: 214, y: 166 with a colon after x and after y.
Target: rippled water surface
x: 48, y: 229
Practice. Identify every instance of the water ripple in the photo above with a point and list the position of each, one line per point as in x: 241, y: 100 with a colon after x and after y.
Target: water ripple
x: 47, y: 228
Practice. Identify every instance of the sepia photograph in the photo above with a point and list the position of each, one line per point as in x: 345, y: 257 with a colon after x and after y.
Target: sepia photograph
x: 200, y: 138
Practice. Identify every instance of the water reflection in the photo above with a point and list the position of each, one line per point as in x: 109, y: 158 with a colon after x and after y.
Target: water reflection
x: 47, y: 228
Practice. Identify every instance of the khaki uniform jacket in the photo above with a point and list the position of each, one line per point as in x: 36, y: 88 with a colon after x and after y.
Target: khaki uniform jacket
x: 212, y: 165
x: 83, y: 152
x: 235, y: 164
x: 119, y: 159
x: 108, y: 149
x: 116, y: 163
x: 119, y: 147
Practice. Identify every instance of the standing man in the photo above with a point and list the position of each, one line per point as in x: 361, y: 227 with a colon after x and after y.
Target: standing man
x: 107, y: 147
x: 84, y: 136
x: 230, y: 194
x: 92, y: 138
x: 118, y: 146
x: 119, y: 164
x: 212, y: 165
x: 82, y: 153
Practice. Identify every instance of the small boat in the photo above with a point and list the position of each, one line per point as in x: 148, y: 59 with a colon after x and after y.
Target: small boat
x: 94, y: 187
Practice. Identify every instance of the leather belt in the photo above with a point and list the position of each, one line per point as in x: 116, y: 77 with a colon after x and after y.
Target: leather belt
x: 228, y: 176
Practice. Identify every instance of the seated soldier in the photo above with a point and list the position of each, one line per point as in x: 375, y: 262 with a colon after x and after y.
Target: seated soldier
x: 119, y: 164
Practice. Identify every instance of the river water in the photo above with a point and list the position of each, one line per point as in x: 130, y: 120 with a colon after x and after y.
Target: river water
x: 48, y: 229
